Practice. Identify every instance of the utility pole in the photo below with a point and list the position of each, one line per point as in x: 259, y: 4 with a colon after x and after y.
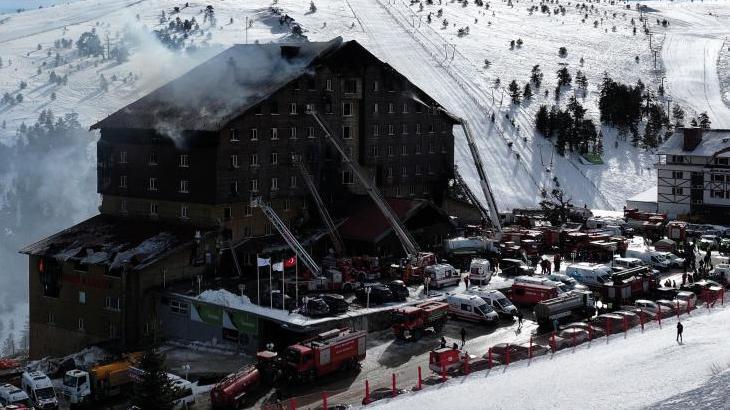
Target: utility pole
x: 650, y: 34
x: 246, y: 29
x: 655, y: 53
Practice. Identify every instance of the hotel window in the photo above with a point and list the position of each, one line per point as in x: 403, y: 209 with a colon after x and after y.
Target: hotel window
x: 184, y: 161
x: 677, y: 174
x: 390, y: 150
x: 82, y: 297
x: 311, y: 84
x: 247, y: 234
x: 417, y: 170
x: 375, y: 86
x: 346, y: 109
x: 404, y: 150
x: 51, y: 318
x: 418, y: 148
x: 347, y: 178
x: 234, y: 161
x: 274, y: 108
x: 274, y: 133
x: 405, y: 108
x: 184, y: 186
x: 234, y: 135
x: 389, y: 172
x: 274, y: 184
x: 376, y: 131
x: 292, y: 181
x: 715, y: 194
x: 350, y: 86
x: 254, y: 160
x: 309, y: 108
x: 257, y: 110
x: 404, y: 129
x: 153, y: 184
x: 375, y: 108
x: 123, y: 181
x: 346, y: 132
x: 254, y: 185
x: 287, y: 204
x: 254, y: 134
x: 234, y: 188
x: 391, y: 129
x: 418, y: 128
x: 430, y: 128
x: 419, y: 108
x: 310, y: 132
x: 391, y: 108
x: 274, y: 158
x: 404, y: 171
x: 183, y: 211
x: 328, y: 108
x: 227, y: 213
x: 329, y: 85
x: 293, y: 108
x: 81, y: 324
x: 268, y: 229
x: 247, y: 210
x: 123, y: 206
x: 154, y: 208
x: 374, y: 151
x: 718, y: 178
x: 123, y: 157
x: 152, y: 158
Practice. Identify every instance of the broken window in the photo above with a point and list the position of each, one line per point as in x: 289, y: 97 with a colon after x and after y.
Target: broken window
x: 350, y: 86
x: 346, y: 109
x: 50, y: 276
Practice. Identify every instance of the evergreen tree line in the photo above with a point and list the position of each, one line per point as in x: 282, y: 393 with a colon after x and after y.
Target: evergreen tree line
x: 570, y: 128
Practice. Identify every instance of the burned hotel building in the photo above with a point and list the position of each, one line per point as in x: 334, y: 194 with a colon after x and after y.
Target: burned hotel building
x: 177, y: 170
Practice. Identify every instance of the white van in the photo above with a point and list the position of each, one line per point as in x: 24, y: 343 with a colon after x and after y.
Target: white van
x: 627, y: 262
x: 496, y: 299
x: 721, y: 272
x: 11, y: 395
x: 589, y: 273
x: 40, y: 390
x: 542, y: 280
x: 654, y: 259
x: 479, y: 272
x: 442, y: 274
x: 471, y: 307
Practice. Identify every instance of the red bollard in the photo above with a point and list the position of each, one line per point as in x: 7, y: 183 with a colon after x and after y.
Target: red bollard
x: 553, y: 346
x: 443, y: 373
x: 641, y: 320
x: 506, y: 355
x: 626, y: 325
x: 324, y: 400
x: 659, y: 319
x: 489, y: 358
x: 466, y: 362
x: 722, y: 298
x: 367, y: 400
x: 292, y: 404
x: 419, y: 386
x: 394, y: 391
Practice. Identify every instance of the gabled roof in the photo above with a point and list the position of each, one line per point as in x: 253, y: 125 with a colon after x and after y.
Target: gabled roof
x: 113, y: 242
x: 715, y: 142
x: 216, y: 91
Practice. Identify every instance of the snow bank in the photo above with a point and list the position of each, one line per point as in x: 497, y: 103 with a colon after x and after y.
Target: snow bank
x: 644, y: 370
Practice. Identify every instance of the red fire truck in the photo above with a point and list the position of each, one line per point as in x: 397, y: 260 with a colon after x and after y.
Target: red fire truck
x: 337, y: 349
x: 531, y: 293
x: 409, y: 322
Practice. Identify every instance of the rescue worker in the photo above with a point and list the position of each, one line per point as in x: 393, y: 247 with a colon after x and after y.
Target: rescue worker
x: 519, y: 319
x: 443, y: 342
x: 556, y: 262
x: 684, y: 278
x: 455, y: 346
x: 680, y: 329
x: 463, y: 337
x: 466, y: 281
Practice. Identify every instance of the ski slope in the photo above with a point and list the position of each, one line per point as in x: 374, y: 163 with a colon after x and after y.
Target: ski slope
x: 649, y: 370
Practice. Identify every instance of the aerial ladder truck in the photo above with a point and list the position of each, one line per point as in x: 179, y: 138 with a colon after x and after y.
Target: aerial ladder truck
x: 416, y: 260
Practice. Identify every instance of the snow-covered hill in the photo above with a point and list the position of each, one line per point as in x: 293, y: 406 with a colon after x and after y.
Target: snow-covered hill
x: 448, y: 66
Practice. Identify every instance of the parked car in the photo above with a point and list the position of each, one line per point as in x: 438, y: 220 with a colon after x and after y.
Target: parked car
x: 701, y: 286
x: 515, y: 267
x: 651, y: 306
x: 688, y: 297
x: 382, y: 393
x: 632, y: 318
x: 645, y: 315
x: 664, y: 292
x: 336, y: 302
x: 399, y: 290
x: 674, y: 304
x: 605, y: 320
x: 571, y: 283
x: 379, y: 294
x: 570, y: 337
x: 516, y: 352
x: 595, y: 331
x: 315, y: 307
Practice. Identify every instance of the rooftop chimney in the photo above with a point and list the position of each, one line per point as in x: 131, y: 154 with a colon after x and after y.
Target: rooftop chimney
x: 692, y: 138
x: 289, y: 52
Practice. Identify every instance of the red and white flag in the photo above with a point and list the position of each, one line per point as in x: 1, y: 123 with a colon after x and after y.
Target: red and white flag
x: 291, y: 262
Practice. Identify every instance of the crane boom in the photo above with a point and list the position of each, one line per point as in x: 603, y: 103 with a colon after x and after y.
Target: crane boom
x: 483, y: 181
x: 409, y: 244
x: 335, y: 237
x: 289, y: 237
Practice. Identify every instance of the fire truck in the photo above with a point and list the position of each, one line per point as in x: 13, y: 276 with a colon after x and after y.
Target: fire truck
x: 531, y: 293
x: 570, y: 304
x: 410, y: 322
x: 337, y: 349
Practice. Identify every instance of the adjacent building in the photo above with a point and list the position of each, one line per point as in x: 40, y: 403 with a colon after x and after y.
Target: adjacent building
x: 177, y: 170
x: 693, y: 175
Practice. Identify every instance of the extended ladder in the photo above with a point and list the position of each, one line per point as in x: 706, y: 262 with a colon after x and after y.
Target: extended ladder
x: 470, y: 194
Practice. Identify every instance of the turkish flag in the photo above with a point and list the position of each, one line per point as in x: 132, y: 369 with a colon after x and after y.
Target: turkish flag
x: 291, y: 262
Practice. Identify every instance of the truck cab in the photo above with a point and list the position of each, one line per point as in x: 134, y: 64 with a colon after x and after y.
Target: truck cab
x: 13, y: 396
x: 300, y: 359
x: 76, y: 386
x: 40, y: 390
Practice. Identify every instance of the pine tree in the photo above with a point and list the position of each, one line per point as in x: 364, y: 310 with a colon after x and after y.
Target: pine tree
x: 564, y: 77
x: 154, y: 390
x: 542, y: 121
x: 514, y: 92
x: 536, y: 76
x: 678, y: 115
x: 527, y: 92
x: 704, y: 120
x: 581, y: 80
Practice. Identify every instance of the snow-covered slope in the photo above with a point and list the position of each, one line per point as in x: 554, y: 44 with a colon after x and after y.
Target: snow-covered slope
x: 643, y: 371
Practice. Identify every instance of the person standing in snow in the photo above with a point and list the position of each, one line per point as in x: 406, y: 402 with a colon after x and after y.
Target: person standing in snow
x: 443, y: 342
x: 556, y: 262
x: 519, y: 319
x: 463, y: 337
x: 680, y: 329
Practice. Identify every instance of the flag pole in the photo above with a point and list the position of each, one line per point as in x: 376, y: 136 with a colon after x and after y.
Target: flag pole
x: 258, y: 281
x: 296, y: 283
x: 271, y: 289
x: 282, y: 286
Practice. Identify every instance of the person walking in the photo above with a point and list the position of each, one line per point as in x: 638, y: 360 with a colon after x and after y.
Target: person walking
x: 680, y: 329
x: 463, y: 337
x: 466, y: 281
x: 519, y: 319
x: 443, y: 342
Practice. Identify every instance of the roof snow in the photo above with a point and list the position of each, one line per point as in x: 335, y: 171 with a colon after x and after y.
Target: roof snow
x: 113, y: 242
x: 712, y: 142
